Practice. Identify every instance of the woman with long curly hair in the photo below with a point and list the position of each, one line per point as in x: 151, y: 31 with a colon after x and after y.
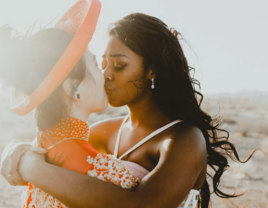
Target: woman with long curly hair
x: 166, y: 134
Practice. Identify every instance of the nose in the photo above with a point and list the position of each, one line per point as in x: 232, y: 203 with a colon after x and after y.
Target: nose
x: 107, y: 75
x: 108, y: 78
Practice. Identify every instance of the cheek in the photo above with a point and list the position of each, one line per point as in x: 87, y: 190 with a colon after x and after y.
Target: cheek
x: 131, y: 87
x: 86, y: 89
x: 131, y: 90
x: 134, y: 81
x: 100, y: 81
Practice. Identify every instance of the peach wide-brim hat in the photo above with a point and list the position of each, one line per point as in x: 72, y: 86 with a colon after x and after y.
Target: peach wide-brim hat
x: 81, y: 19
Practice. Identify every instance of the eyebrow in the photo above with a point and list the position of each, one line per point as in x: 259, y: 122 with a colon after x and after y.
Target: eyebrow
x: 116, y: 55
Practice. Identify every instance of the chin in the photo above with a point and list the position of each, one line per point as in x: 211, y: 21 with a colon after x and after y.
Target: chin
x: 116, y: 101
x: 113, y: 104
x: 106, y: 105
x: 112, y: 100
x: 102, y: 107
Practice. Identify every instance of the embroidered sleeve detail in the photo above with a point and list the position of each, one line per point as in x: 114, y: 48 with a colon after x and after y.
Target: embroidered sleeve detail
x: 106, y: 168
x: 33, y: 197
x: 110, y: 169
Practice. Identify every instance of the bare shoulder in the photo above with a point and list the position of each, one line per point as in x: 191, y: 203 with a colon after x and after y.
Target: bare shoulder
x: 106, y: 124
x: 100, y: 130
x: 189, y: 135
x: 183, y: 159
x: 187, y: 142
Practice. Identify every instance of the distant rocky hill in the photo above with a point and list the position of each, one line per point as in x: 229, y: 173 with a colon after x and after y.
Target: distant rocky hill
x: 242, y: 94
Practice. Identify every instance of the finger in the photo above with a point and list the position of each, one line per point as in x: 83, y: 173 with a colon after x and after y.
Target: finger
x: 15, y: 179
x: 11, y: 156
x: 12, y: 169
x: 12, y: 145
x: 39, y: 150
x: 3, y: 170
x: 24, y: 183
x: 5, y: 159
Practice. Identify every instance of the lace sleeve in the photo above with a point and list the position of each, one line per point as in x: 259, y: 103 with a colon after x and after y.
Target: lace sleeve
x: 110, y: 169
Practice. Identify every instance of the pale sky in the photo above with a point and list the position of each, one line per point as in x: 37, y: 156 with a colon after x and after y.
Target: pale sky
x: 228, y: 38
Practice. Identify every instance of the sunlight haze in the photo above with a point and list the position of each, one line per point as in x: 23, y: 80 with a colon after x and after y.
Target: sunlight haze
x: 227, y: 40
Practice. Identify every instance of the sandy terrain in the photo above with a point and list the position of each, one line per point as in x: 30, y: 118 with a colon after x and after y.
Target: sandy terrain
x: 247, y: 121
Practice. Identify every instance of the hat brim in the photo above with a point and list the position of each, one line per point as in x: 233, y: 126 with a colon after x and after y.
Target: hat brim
x: 66, y: 63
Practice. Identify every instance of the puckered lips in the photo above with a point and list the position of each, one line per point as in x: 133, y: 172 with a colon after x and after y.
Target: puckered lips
x: 108, y: 87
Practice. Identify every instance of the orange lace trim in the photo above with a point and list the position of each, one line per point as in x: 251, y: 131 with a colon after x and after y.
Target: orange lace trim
x: 106, y: 168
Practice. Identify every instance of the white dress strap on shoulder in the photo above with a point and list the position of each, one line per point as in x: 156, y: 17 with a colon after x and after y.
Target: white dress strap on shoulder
x: 142, y: 141
x: 118, y: 138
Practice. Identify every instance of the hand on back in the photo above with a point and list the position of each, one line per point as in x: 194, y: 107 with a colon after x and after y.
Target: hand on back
x: 10, y: 160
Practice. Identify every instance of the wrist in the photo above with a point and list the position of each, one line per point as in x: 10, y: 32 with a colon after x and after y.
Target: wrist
x: 30, y: 166
x: 33, y: 170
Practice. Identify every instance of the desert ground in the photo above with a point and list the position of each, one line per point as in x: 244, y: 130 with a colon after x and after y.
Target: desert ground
x: 245, y: 117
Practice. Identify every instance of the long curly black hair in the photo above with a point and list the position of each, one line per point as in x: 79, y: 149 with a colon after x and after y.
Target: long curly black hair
x: 176, y: 93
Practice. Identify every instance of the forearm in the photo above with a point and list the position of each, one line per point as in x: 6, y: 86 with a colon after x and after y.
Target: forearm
x: 78, y: 190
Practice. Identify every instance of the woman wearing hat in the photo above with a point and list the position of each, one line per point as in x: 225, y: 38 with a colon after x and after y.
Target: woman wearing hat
x: 166, y: 138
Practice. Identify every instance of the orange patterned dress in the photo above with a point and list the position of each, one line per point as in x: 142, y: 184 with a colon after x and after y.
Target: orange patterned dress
x: 68, y: 147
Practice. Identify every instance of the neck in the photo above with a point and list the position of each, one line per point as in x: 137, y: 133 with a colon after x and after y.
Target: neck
x: 80, y: 116
x: 79, y: 113
x: 146, y: 114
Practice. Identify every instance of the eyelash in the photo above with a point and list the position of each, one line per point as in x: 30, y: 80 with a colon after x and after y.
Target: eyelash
x: 120, y: 68
x: 116, y: 68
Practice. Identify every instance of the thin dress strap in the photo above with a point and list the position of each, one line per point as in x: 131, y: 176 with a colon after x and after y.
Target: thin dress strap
x: 118, y: 138
x: 142, y: 141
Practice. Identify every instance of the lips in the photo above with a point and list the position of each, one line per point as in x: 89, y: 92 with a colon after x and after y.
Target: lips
x: 107, y: 88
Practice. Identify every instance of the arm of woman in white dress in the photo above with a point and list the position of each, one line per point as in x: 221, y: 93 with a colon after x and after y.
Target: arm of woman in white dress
x: 181, y: 161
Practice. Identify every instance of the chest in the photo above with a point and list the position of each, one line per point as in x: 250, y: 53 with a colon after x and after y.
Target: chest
x: 146, y: 154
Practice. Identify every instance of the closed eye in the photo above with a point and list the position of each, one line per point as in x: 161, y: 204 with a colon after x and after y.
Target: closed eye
x: 118, y: 68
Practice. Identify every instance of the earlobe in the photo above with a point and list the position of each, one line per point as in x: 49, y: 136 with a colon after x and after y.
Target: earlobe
x: 151, y: 76
x: 152, y: 72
